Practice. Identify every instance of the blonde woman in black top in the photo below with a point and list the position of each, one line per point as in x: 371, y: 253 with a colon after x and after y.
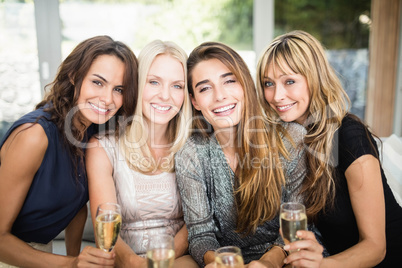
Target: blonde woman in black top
x: 345, y: 192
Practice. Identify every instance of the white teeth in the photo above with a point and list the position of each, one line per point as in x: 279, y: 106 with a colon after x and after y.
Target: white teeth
x: 281, y: 108
x: 98, y: 108
x: 160, y: 108
x: 223, y: 109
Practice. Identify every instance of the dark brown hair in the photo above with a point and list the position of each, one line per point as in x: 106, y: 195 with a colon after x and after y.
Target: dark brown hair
x: 65, y: 89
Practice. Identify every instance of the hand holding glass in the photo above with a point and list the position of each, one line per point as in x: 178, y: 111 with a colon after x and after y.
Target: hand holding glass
x: 292, y: 218
x: 160, y: 251
x: 107, y: 225
x: 229, y: 257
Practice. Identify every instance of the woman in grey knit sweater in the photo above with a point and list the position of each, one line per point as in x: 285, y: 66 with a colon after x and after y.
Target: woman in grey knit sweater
x: 231, y: 175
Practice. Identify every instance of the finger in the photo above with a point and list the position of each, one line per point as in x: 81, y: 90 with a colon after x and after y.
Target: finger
x: 305, y: 263
x: 303, y: 257
x: 255, y: 264
x: 211, y: 265
x: 308, y: 245
x: 96, y: 256
x: 306, y: 235
x: 94, y: 262
x: 99, y: 253
x: 304, y: 245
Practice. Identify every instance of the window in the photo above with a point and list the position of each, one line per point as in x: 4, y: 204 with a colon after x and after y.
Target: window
x: 19, y: 71
x: 343, y: 27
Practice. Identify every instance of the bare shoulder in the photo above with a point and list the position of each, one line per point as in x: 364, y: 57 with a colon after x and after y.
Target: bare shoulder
x: 26, y: 137
x: 365, y: 169
x: 93, y: 143
x: 363, y: 163
x: 95, y: 152
x: 97, y: 143
x: 23, y: 151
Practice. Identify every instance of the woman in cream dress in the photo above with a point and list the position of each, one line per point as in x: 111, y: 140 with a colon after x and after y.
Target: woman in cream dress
x: 135, y: 167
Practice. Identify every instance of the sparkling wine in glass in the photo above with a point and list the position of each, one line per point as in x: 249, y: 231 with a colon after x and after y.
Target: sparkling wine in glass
x: 292, y: 218
x: 107, y: 225
x: 229, y: 257
x: 160, y: 251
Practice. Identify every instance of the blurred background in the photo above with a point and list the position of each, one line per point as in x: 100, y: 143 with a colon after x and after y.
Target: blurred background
x: 362, y: 38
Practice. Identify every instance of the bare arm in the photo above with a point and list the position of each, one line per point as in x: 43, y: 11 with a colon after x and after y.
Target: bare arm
x: 209, y: 257
x: 273, y: 258
x: 21, y: 157
x: 367, y: 198
x: 73, y: 233
x: 181, y: 242
x: 101, y: 190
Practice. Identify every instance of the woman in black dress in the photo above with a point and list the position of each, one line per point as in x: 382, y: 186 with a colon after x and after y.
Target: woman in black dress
x: 345, y: 191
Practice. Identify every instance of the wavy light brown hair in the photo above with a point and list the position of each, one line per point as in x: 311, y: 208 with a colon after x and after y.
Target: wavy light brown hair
x: 329, y: 104
x: 66, y: 87
x: 258, y: 185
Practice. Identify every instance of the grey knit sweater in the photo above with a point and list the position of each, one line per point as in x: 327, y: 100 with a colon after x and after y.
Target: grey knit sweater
x: 206, y: 182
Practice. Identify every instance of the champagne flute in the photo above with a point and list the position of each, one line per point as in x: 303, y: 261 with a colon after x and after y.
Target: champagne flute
x: 292, y: 218
x: 160, y: 251
x: 107, y: 225
x: 229, y: 257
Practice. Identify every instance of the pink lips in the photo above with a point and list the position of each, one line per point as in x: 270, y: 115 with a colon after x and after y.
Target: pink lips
x: 161, y: 108
x: 284, y: 108
x: 224, y: 110
x: 98, y: 109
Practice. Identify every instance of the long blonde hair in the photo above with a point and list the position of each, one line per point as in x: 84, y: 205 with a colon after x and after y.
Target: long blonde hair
x: 329, y: 104
x: 134, y: 141
x: 258, y: 185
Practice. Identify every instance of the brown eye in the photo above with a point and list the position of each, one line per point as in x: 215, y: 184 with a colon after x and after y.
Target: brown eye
x: 119, y: 90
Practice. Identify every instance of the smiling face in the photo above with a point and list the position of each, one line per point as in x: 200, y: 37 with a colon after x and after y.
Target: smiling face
x: 101, y: 91
x: 287, y: 93
x: 217, y: 94
x: 163, y: 93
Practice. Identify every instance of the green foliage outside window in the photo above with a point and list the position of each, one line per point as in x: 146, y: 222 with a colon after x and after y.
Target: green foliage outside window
x: 337, y: 23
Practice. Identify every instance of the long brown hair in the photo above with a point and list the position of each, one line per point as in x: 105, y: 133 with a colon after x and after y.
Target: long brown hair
x: 258, y: 185
x: 65, y: 89
x: 329, y: 104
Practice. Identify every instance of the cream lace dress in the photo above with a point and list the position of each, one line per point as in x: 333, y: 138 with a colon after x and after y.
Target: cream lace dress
x: 150, y: 204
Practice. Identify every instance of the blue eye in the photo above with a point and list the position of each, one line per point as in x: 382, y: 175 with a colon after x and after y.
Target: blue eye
x: 290, y: 82
x: 268, y: 84
x: 154, y: 82
x: 178, y: 86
